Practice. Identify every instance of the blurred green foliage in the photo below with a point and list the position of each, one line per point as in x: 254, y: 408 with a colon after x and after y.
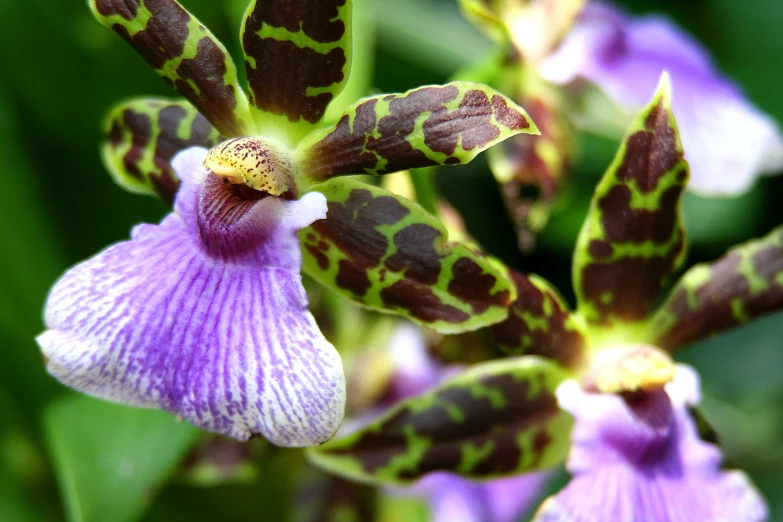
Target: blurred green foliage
x: 61, y: 71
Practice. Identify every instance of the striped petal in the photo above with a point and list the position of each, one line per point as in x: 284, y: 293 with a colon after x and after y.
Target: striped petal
x: 205, y: 316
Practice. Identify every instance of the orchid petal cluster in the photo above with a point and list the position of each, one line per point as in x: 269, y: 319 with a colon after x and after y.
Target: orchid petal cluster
x: 204, y: 315
x: 599, y: 379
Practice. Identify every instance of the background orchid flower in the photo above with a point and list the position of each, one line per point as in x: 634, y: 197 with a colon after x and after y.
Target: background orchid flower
x: 728, y: 141
x: 623, y: 56
x: 511, y: 416
x: 205, y: 315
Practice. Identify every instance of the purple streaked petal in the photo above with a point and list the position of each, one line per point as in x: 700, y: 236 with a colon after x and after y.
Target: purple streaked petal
x: 727, y: 140
x: 204, y: 318
x: 415, y: 370
x: 643, y: 461
x: 451, y: 497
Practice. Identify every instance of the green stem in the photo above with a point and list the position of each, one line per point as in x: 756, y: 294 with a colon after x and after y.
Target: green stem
x: 424, y: 185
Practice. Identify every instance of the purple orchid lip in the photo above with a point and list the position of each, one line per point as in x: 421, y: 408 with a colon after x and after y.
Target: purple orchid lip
x: 203, y: 315
x: 639, y: 458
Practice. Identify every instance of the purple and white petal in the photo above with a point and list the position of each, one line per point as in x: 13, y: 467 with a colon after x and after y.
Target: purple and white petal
x: 415, y: 370
x: 451, y: 497
x: 203, y: 315
x: 728, y: 142
x: 641, y: 460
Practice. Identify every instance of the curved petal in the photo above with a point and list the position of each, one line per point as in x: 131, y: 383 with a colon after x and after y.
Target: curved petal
x: 184, y: 53
x: 643, y: 461
x: 727, y: 140
x: 219, y: 336
x: 434, y: 125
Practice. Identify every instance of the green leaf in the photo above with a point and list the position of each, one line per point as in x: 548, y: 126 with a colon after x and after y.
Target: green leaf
x: 110, y: 459
x: 497, y: 418
x: 297, y: 55
x: 436, y: 125
x: 633, y: 237
x: 389, y: 254
x: 744, y: 284
x: 185, y: 54
x: 143, y: 134
x: 539, y: 323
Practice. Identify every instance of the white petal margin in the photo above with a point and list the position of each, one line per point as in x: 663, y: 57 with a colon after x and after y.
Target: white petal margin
x: 629, y: 470
x: 229, y: 345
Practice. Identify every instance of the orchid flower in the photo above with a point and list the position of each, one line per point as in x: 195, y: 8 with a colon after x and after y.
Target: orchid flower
x: 601, y: 375
x: 204, y: 315
x: 728, y: 141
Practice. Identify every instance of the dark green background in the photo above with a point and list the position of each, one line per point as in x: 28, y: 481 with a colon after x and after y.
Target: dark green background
x: 60, y: 71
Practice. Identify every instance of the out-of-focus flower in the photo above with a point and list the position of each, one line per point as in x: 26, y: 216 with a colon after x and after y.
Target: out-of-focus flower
x: 639, y: 458
x: 728, y: 141
x: 205, y: 315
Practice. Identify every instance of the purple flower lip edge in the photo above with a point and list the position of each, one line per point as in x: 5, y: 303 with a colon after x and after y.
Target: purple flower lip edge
x: 728, y: 142
x: 221, y: 338
x: 646, y: 462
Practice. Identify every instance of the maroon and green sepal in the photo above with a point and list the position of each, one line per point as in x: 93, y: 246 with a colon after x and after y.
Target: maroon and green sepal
x: 436, y: 125
x: 387, y: 253
x: 185, y: 54
x: 297, y: 55
x: 744, y: 284
x: 539, y: 323
x: 143, y: 134
x: 633, y: 239
x: 496, y: 418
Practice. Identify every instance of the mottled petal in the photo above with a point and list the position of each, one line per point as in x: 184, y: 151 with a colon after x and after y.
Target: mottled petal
x: 297, y: 56
x: 495, y: 419
x: 434, y: 125
x: 727, y: 140
x: 144, y: 134
x: 744, y: 284
x: 633, y: 239
x: 641, y: 460
x: 539, y: 323
x: 388, y: 253
x: 184, y: 53
x: 203, y: 317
